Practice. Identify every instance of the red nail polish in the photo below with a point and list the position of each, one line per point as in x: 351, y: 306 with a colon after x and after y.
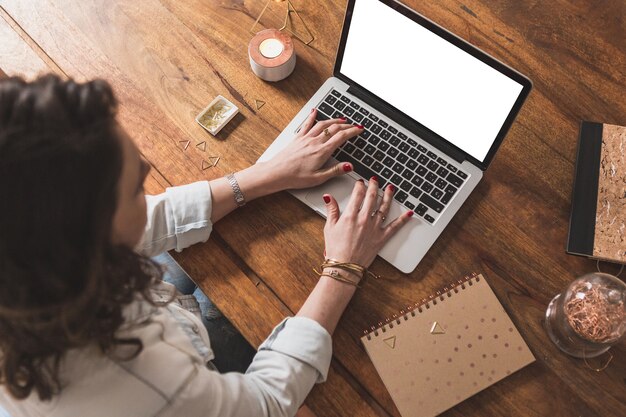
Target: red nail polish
x: 375, y: 178
x: 343, y: 118
x: 326, y: 199
x: 410, y: 213
x: 347, y: 167
x: 392, y: 187
x: 360, y: 126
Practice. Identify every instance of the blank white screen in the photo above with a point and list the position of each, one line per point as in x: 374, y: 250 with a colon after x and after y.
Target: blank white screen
x: 426, y: 77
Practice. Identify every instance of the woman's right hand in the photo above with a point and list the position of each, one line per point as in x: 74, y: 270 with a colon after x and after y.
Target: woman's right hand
x: 359, y: 233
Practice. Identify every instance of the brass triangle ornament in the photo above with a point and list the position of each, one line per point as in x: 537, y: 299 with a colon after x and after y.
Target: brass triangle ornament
x: 437, y: 329
x: 213, y: 160
x: 390, y: 341
x: 259, y: 104
x: 185, y: 143
x: 201, y: 146
x: 288, y: 26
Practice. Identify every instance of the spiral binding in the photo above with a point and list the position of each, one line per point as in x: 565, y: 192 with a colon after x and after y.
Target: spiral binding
x: 420, y: 306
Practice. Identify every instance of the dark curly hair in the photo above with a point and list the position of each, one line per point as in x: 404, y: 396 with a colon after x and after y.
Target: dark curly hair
x: 63, y: 284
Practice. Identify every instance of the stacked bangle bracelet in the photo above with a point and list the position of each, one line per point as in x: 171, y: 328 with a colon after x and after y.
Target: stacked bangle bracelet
x: 352, y: 268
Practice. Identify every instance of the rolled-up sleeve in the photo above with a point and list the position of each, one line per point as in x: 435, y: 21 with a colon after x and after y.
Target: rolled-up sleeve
x: 177, y: 218
x: 294, y: 357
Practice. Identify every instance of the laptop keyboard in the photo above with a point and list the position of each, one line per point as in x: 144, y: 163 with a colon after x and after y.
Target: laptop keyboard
x: 425, y: 181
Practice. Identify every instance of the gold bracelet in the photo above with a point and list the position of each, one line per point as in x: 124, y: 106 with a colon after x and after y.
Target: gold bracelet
x: 350, y: 267
x: 337, y: 276
x: 356, y: 272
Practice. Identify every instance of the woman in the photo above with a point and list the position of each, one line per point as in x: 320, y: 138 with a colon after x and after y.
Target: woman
x: 87, y: 327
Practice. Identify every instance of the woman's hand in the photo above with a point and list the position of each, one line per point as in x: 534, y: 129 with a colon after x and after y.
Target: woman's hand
x: 302, y: 163
x: 357, y: 235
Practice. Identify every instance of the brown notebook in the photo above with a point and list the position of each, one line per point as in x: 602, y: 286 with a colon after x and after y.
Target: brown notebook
x: 447, y: 348
x: 598, y: 219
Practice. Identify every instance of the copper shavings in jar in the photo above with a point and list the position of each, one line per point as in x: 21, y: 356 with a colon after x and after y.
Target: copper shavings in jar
x: 591, y: 316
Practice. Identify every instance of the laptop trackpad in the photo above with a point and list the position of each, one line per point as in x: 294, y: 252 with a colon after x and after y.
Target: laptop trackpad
x: 341, y: 189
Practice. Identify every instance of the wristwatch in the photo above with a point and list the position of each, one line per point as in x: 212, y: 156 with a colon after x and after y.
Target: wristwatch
x: 239, y: 198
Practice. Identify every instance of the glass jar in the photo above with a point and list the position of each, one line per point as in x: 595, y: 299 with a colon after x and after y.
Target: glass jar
x: 589, y: 316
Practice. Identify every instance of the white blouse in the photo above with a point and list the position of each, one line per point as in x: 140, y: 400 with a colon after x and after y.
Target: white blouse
x: 170, y: 377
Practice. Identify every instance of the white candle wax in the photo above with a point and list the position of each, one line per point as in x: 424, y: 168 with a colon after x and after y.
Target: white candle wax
x: 271, y: 48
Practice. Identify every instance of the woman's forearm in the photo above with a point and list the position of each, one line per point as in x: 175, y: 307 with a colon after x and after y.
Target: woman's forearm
x: 327, y: 302
x: 255, y: 181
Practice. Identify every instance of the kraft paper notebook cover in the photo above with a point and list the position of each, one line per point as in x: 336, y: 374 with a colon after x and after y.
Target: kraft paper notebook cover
x: 597, y: 226
x: 442, y: 351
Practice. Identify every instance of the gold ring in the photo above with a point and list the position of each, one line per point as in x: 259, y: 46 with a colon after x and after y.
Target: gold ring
x: 383, y: 218
x: 373, y: 213
x: 326, y: 132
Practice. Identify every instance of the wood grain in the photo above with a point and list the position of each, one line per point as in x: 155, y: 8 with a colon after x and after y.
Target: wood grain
x: 256, y: 268
x: 15, y: 52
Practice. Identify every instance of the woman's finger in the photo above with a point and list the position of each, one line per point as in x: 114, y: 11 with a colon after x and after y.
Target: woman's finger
x: 344, y: 135
x: 332, y: 131
x: 395, y: 225
x: 320, y: 126
x: 332, y: 209
x: 356, y: 199
x: 336, y: 170
x: 308, y: 123
x: 370, y: 202
x: 385, y: 204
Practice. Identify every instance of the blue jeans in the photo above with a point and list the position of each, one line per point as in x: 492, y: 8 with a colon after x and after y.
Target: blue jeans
x: 232, y: 352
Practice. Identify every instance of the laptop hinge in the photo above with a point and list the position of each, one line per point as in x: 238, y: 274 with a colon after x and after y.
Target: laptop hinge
x: 409, y: 124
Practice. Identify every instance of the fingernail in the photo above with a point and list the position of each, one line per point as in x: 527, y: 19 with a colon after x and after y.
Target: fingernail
x: 347, y: 167
x: 343, y: 118
x: 326, y: 199
x: 410, y: 213
x: 392, y: 188
x: 324, y: 253
x: 374, y: 178
x: 313, y: 109
x: 360, y: 126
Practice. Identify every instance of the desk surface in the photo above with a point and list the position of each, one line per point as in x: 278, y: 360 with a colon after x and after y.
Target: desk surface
x: 167, y: 59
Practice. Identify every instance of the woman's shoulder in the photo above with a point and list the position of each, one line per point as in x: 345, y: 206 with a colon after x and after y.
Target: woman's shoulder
x: 145, y: 383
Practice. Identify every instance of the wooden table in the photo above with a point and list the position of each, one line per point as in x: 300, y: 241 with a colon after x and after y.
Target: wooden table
x: 167, y: 59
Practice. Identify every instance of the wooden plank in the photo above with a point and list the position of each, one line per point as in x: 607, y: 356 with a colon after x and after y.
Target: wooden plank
x: 17, y: 58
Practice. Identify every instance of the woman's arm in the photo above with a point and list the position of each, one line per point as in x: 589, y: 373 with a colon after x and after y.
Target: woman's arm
x: 184, y: 215
x: 355, y: 236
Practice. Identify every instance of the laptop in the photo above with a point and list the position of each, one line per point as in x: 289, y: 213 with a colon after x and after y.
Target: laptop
x: 435, y: 111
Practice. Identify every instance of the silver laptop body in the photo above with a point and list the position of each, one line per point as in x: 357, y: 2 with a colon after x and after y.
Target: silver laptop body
x: 433, y: 176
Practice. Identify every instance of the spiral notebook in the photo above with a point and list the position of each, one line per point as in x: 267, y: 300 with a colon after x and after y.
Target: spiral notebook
x: 439, y: 352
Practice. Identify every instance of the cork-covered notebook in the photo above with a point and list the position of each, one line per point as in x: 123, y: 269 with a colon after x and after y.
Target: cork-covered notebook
x: 598, y: 220
x: 447, y: 348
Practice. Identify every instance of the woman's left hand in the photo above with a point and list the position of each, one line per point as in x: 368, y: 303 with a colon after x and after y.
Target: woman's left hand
x: 302, y: 163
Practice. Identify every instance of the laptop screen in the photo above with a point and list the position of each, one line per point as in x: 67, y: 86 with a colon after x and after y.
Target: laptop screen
x: 439, y: 85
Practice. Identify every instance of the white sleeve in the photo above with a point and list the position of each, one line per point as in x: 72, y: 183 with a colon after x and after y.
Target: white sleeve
x: 293, y: 358
x: 177, y: 218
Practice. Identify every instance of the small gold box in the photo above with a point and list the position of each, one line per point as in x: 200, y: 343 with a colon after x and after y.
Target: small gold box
x: 217, y: 114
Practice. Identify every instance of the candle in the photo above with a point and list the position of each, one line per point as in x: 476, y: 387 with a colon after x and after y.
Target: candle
x: 272, y: 56
x: 271, y: 48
